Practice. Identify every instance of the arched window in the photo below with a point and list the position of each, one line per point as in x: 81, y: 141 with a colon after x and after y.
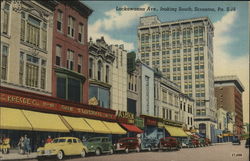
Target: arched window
x: 107, y: 74
x: 99, y: 71
x: 91, y: 68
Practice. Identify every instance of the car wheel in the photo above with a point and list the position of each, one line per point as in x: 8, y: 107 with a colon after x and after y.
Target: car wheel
x: 126, y: 150
x: 60, y: 155
x: 137, y: 149
x: 111, y: 151
x: 83, y: 153
x: 97, y: 151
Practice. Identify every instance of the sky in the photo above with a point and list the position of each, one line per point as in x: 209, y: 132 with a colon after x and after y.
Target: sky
x: 231, y: 35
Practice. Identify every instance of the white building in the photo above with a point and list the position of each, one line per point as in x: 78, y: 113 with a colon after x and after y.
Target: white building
x: 221, y: 119
x: 183, y: 51
x: 26, y: 45
x: 119, y: 78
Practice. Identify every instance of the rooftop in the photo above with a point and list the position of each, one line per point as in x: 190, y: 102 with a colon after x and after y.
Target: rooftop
x: 229, y: 79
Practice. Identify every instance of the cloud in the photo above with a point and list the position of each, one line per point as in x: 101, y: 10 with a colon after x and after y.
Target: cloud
x: 224, y: 63
x: 115, y: 20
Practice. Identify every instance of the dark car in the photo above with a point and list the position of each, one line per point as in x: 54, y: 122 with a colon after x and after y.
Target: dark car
x: 128, y: 144
x: 208, y: 142
x: 235, y: 141
x: 100, y: 145
x: 195, y: 142
x: 247, y: 143
x: 169, y: 143
x: 203, y: 142
x: 149, y: 144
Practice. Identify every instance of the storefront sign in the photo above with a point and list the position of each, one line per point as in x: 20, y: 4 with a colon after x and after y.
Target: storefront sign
x: 139, y: 122
x: 125, y: 117
x: 8, y: 99
x: 150, y: 122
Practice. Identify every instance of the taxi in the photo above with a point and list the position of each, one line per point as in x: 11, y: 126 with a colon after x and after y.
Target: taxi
x: 63, y: 146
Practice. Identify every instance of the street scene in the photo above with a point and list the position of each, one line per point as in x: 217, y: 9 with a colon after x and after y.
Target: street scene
x: 125, y: 80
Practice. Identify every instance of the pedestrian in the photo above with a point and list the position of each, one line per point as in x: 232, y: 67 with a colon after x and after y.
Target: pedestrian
x: 27, y: 147
x: 21, y: 145
x: 49, y: 139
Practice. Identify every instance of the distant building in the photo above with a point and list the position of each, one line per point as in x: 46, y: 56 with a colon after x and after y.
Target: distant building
x: 183, y: 51
x: 228, y: 91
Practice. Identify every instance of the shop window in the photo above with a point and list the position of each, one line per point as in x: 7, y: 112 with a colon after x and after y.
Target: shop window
x: 69, y: 88
x: 4, y: 61
x: 102, y: 94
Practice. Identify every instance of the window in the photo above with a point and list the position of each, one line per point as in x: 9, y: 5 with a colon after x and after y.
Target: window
x: 107, y: 74
x: 102, y: 95
x: 6, y: 16
x: 43, y: 73
x: 79, y: 66
x: 59, y: 21
x: 91, y: 68
x: 99, y: 71
x: 32, y: 71
x: 58, y: 55
x: 70, y: 59
x: 69, y: 88
x: 80, y: 34
x: 21, y: 68
x: 33, y: 31
x: 71, y: 25
x: 4, y: 61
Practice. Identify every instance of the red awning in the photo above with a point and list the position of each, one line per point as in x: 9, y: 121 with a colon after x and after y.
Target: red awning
x: 132, y: 128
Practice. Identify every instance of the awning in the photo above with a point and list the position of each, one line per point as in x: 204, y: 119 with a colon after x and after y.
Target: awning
x: 45, y: 122
x: 77, y: 124
x: 98, y: 126
x: 114, y: 128
x: 13, y: 119
x: 175, y: 131
x: 132, y: 128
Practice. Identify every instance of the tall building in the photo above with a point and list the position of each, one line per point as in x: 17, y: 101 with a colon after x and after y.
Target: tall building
x: 228, y: 91
x: 119, y: 79
x: 70, y: 51
x: 183, y: 51
x: 26, y: 46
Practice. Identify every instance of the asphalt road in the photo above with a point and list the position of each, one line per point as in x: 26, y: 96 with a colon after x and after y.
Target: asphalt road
x: 218, y: 152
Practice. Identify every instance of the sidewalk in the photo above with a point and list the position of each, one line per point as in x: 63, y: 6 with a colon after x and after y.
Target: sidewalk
x: 14, y: 155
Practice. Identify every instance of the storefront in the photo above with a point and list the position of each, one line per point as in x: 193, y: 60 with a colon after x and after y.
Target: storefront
x: 37, y: 116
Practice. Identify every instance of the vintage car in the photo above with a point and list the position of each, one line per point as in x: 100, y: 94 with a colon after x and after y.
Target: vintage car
x: 128, y: 144
x: 99, y: 145
x: 169, y: 143
x: 236, y: 140
x: 208, y: 142
x: 63, y: 146
x: 203, y: 142
x: 149, y: 143
x: 247, y: 143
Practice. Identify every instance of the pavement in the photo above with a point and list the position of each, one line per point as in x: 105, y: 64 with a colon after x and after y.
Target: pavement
x: 14, y: 155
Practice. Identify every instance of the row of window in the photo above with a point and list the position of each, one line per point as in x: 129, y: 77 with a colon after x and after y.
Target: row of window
x: 71, y: 31
x: 70, y: 59
x: 101, y: 69
x: 197, y: 49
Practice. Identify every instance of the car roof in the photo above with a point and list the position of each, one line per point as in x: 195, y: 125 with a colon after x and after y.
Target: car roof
x: 168, y: 137
x: 127, y: 138
x: 66, y: 138
x: 98, y: 137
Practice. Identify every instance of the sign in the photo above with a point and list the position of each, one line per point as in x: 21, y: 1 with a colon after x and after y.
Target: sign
x: 125, y: 117
x: 93, y: 101
x: 139, y: 122
x: 151, y: 122
x: 9, y: 99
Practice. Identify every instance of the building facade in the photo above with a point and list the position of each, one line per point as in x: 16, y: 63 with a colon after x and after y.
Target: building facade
x: 183, y: 51
x: 26, y: 45
x: 101, y: 60
x: 119, y: 78
x: 222, y: 119
x: 70, y: 51
x: 228, y: 91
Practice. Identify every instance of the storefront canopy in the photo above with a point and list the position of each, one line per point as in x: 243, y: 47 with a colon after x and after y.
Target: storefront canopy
x: 132, y: 128
x: 98, y: 126
x: 175, y: 131
x: 45, y: 122
x: 114, y: 128
x: 77, y: 124
x: 188, y: 133
x: 13, y: 119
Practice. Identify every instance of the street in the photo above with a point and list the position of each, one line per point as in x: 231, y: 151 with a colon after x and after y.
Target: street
x: 218, y: 152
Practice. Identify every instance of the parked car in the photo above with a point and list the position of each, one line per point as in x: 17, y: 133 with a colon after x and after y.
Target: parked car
x: 195, y: 142
x: 247, y: 143
x: 62, y: 146
x: 203, y: 142
x: 128, y: 144
x: 169, y: 143
x: 236, y: 140
x: 99, y: 145
x: 149, y: 144
x: 208, y: 142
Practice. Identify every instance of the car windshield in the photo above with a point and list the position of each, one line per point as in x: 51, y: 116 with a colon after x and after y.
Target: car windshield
x: 55, y: 141
x: 94, y: 140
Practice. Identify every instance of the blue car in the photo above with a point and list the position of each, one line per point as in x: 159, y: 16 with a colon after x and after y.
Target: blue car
x: 235, y: 141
